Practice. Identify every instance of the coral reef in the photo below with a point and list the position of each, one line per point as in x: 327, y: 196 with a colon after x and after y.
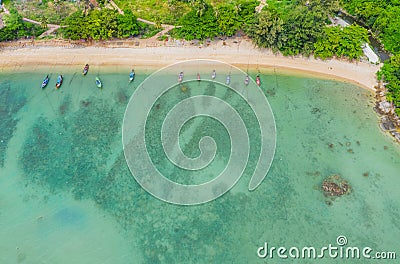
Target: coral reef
x: 10, y: 103
x: 335, y: 185
x: 70, y: 154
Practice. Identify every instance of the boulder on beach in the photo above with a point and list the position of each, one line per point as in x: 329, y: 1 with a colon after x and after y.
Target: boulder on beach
x: 385, y: 107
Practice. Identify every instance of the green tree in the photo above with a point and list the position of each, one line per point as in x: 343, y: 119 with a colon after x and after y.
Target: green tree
x: 196, y: 25
x: 267, y: 30
x: 199, y: 6
x: 302, y: 29
x: 391, y: 74
x: 127, y: 24
x: 43, y: 22
x: 14, y: 22
x: 246, y: 12
x: 341, y: 42
x: 16, y: 28
x: 75, y: 26
x: 227, y: 19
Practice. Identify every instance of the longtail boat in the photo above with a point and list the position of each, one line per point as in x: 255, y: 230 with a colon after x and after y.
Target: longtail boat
x: 45, y: 81
x: 258, y: 81
x: 228, y: 79
x: 98, y: 83
x: 247, y: 80
x: 132, y: 76
x: 85, y: 69
x: 180, y: 77
x: 59, y: 81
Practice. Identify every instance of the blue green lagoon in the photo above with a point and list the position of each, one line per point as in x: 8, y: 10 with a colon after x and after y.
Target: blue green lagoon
x: 68, y: 196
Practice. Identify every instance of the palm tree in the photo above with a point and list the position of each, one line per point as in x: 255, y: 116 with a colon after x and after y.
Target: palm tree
x: 43, y: 22
x: 157, y: 22
x: 199, y: 5
x: 238, y: 8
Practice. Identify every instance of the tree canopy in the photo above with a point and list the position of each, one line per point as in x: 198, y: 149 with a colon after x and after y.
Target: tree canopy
x: 391, y: 72
x: 383, y: 18
x: 199, y: 23
x: 292, y: 30
x: 341, y: 42
x: 100, y: 25
x: 206, y: 21
x: 16, y: 28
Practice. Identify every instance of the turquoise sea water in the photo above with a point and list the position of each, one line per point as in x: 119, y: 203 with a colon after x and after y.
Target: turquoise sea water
x: 67, y: 195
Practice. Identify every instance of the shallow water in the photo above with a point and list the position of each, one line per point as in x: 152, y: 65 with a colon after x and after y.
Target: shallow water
x: 67, y: 195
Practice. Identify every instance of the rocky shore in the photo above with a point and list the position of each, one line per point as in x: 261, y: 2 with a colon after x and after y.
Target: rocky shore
x: 390, y: 122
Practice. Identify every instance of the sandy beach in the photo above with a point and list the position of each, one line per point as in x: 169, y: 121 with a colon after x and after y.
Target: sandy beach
x: 241, y: 54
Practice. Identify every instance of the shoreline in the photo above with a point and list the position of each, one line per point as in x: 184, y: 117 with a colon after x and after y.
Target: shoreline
x: 238, y: 53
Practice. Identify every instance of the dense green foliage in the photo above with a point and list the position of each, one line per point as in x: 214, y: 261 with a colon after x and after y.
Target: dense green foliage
x: 384, y: 19
x: 206, y: 21
x: 301, y: 30
x: 381, y: 16
x: 391, y: 72
x: 100, y: 25
x: 16, y: 28
x: 292, y: 28
x: 200, y: 23
x: 341, y: 42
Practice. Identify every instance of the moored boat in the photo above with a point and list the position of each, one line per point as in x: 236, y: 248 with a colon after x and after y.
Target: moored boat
x: 247, y: 80
x: 180, y: 77
x: 59, y: 81
x: 213, y: 75
x: 98, y: 83
x: 132, y: 75
x: 258, y: 81
x: 85, y: 69
x: 228, y: 79
x: 45, y: 81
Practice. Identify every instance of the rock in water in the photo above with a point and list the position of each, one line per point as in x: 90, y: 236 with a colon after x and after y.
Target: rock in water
x: 335, y: 185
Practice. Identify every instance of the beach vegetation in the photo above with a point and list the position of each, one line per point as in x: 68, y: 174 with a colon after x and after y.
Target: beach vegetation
x: 292, y: 32
x: 267, y: 32
x: 341, y: 42
x: 221, y: 19
x: 382, y: 17
x: 391, y: 74
x: 54, y: 11
x: 147, y: 31
x: 227, y: 16
x: 100, y: 25
x: 199, y: 23
x: 169, y: 12
x: 16, y: 28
